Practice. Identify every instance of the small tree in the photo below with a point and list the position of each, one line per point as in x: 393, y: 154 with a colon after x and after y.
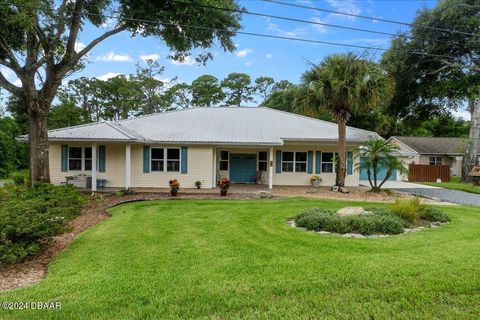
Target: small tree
x: 376, y: 154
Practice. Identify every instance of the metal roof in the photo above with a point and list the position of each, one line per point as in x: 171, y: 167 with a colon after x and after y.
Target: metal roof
x: 215, y: 125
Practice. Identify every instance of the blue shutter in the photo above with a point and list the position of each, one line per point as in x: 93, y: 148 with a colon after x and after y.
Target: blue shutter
x: 278, y: 167
x: 64, y: 158
x: 318, y: 162
x: 349, y: 163
x: 310, y: 162
x: 146, y: 159
x: 184, y: 159
x: 101, y: 158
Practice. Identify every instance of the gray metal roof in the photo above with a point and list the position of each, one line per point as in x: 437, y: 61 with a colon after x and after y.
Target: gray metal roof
x: 216, y: 125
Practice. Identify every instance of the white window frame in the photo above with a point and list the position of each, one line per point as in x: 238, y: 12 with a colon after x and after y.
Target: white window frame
x: 327, y: 162
x: 81, y: 159
x: 220, y: 160
x: 294, y: 162
x: 165, y: 159
x: 262, y: 161
x: 435, y: 161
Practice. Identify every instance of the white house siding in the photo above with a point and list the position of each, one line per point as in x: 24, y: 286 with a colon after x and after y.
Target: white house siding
x: 114, y: 163
x: 200, y: 160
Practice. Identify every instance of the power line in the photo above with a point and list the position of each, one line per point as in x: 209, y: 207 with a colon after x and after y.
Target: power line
x: 237, y: 32
x: 265, y: 15
x: 370, y: 18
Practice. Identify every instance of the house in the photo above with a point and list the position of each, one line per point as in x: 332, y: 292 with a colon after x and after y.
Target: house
x: 432, y: 151
x: 244, y: 144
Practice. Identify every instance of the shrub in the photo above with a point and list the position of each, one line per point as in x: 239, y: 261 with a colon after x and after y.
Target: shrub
x: 409, y: 210
x: 434, y: 215
x: 20, y: 177
x: 125, y: 192
x: 29, y: 217
x: 379, y: 221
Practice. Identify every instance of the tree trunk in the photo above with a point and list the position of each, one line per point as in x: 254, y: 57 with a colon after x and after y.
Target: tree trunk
x: 342, y: 148
x: 474, y: 139
x: 38, y: 140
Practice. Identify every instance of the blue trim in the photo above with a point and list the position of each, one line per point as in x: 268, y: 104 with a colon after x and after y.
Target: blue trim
x: 318, y: 162
x: 349, y: 163
x: 146, y: 159
x: 101, y: 158
x: 64, y: 158
x: 310, y: 162
x: 278, y: 163
x: 184, y: 159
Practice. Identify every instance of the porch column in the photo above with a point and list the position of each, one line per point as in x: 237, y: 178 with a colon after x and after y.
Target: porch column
x: 270, y: 169
x: 214, y: 168
x: 94, y: 167
x: 458, y: 165
x: 128, y: 151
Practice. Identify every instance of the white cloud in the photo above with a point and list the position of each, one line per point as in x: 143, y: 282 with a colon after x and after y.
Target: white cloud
x: 113, y: 57
x: 243, y: 53
x: 188, y: 61
x: 285, y: 33
x: 269, y: 56
x: 79, y: 46
x: 320, y: 28
x: 17, y: 82
x: 248, y: 63
x: 346, y: 6
x: 368, y: 41
x: 153, y: 57
x: 107, y: 76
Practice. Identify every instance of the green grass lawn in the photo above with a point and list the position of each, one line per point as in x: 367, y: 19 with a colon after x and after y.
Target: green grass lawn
x: 239, y: 259
x: 455, y: 184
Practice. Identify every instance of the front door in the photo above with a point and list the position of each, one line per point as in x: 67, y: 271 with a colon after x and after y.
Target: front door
x: 243, y: 168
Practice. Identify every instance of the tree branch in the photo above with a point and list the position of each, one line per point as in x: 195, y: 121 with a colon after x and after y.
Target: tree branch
x: 13, y: 62
x: 74, y: 28
x: 10, y: 87
x: 96, y: 41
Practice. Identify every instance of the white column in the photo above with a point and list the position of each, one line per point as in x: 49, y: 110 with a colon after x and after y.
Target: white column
x: 270, y: 169
x: 128, y: 160
x: 214, y: 168
x: 94, y: 167
x: 458, y: 165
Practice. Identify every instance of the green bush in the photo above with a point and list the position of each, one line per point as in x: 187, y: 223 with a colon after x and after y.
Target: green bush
x: 409, y: 210
x: 29, y: 217
x: 379, y: 221
x: 435, y: 215
x: 125, y: 192
x: 20, y: 177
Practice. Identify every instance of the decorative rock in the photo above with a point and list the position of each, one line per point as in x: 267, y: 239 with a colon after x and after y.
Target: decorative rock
x: 407, y: 230
x: 434, y: 226
x: 351, y: 211
x: 265, y: 195
x: 343, y: 190
x: 347, y: 235
x: 357, y: 235
x: 436, y: 223
x: 324, y: 232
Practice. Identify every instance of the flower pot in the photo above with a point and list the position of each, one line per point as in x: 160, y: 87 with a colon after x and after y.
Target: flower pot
x: 316, y: 183
x: 223, y: 193
x: 173, y: 193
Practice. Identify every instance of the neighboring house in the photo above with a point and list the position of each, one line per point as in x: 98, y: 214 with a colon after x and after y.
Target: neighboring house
x: 244, y: 144
x: 432, y: 151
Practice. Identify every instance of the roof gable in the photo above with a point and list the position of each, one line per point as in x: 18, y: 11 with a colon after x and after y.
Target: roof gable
x: 435, y: 145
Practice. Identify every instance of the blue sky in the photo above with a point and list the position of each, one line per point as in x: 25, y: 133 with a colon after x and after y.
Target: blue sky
x: 280, y: 59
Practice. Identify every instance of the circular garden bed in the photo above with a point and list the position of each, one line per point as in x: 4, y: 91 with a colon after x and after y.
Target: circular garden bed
x: 404, y: 216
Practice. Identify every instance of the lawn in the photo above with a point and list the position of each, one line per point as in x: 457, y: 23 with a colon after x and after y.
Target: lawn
x: 239, y: 259
x: 455, y: 184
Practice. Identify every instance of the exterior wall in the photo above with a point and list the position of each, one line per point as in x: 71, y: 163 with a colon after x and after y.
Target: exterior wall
x: 200, y: 167
x: 114, y: 163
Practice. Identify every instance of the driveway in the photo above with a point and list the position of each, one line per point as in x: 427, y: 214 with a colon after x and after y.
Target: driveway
x: 436, y: 193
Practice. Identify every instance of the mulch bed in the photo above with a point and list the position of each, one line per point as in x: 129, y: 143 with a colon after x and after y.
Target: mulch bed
x: 33, y: 270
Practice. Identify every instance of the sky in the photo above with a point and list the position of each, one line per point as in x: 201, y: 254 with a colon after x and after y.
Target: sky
x: 280, y: 59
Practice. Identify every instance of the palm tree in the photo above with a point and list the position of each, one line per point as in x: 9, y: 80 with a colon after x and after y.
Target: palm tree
x: 342, y: 84
x: 377, y: 154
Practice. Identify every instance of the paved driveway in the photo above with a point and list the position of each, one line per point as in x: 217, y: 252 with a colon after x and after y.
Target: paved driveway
x: 400, y: 185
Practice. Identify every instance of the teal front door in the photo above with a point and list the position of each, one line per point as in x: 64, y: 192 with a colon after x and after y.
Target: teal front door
x: 243, y: 167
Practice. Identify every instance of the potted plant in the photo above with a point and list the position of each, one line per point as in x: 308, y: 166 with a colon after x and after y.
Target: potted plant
x: 224, y: 184
x: 316, y: 181
x: 198, y: 184
x: 174, y: 186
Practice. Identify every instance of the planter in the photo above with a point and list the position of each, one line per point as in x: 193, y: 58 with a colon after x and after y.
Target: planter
x: 316, y: 183
x: 223, y: 193
x: 173, y: 193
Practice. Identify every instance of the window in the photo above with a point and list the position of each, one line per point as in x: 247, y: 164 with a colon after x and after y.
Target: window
x: 88, y: 158
x: 75, y: 158
x: 294, y: 161
x: 173, y: 160
x: 262, y: 161
x: 223, y: 160
x: 328, y: 162
x: 300, y: 162
x: 157, y: 159
x: 435, y: 160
